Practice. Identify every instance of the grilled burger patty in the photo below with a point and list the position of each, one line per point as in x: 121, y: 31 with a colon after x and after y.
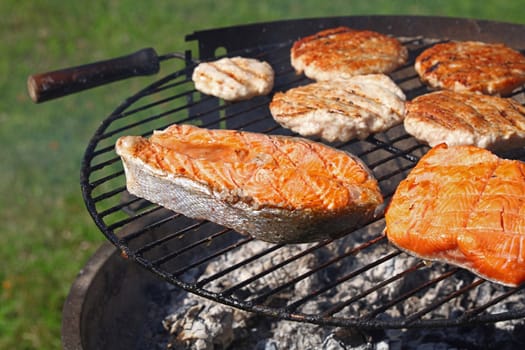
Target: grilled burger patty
x: 466, y: 118
x: 275, y: 188
x: 234, y: 79
x: 344, y: 52
x: 465, y: 206
x: 341, y: 110
x: 472, y: 66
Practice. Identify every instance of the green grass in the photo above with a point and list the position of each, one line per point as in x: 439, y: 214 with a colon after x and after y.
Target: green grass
x: 46, y: 235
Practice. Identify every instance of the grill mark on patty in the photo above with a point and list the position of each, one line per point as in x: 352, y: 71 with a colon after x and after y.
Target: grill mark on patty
x: 231, y: 74
x: 373, y: 101
x: 345, y: 50
x: 496, y: 116
x: 491, y: 121
x: 327, y: 100
x: 342, y: 109
x: 475, y: 66
x: 328, y: 35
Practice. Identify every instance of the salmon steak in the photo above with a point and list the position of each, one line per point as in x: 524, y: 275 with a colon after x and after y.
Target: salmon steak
x: 275, y: 188
x: 465, y: 206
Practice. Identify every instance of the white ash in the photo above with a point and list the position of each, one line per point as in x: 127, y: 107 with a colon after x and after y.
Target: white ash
x: 250, y: 269
x: 198, y: 323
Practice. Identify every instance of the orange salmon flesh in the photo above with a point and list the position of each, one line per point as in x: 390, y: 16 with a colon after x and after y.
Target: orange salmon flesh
x: 273, y: 171
x: 465, y: 206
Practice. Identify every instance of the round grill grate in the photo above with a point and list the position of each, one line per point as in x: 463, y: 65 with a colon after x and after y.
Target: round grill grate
x: 359, y: 280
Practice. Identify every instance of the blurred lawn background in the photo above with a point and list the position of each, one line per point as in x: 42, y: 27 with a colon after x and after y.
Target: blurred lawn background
x: 46, y: 234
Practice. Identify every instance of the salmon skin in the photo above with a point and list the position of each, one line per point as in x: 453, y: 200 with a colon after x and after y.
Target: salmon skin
x: 465, y: 206
x: 275, y: 188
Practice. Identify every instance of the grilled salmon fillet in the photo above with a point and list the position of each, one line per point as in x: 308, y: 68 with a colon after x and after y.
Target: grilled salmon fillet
x: 341, y: 110
x: 234, y: 79
x: 493, y: 69
x: 274, y: 188
x: 465, y: 206
x: 344, y: 52
x: 466, y: 118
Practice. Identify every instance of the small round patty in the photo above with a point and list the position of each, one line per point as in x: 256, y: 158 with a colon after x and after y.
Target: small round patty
x: 343, y: 52
x: 235, y: 78
x: 492, y: 69
x: 466, y: 118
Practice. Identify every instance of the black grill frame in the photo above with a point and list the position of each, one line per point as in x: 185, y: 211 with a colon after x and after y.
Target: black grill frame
x: 138, y: 228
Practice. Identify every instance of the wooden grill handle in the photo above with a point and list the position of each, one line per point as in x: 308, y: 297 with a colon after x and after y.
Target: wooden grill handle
x: 51, y: 85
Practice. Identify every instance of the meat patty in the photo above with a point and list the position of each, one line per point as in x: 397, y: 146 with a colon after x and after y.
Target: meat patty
x: 341, y: 110
x: 493, y: 69
x: 274, y: 188
x: 466, y: 118
x: 234, y: 79
x: 344, y: 52
x: 465, y: 206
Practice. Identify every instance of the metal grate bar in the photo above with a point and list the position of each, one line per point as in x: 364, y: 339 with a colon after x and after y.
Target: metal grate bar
x: 410, y: 293
x: 392, y: 157
x: 195, y: 244
x: 247, y: 281
x: 400, y: 170
x: 121, y: 223
x: 166, y: 238
x: 103, y: 151
x: 106, y: 178
x: 104, y: 164
x: 250, y: 121
x: 321, y: 267
x: 345, y: 278
x: 120, y: 206
x: 231, y: 268
x: 417, y: 315
x: 109, y: 194
x: 210, y: 257
x: 392, y: 149
x: 135, y: 234
x: 338, y: 307
x: 476, y: 311
x: 143, y: 121
x: 350, y: 275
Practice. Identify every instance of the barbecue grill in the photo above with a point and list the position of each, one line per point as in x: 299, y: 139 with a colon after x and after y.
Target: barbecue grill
x: 178, y: 249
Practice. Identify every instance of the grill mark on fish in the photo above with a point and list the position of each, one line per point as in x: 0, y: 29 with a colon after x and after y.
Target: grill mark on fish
x: 275, y: 188
x: 481, y: 193
x: 319, y: 157
x: 284, y: 199
x: 489, y: 238
x: 281, y: 155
